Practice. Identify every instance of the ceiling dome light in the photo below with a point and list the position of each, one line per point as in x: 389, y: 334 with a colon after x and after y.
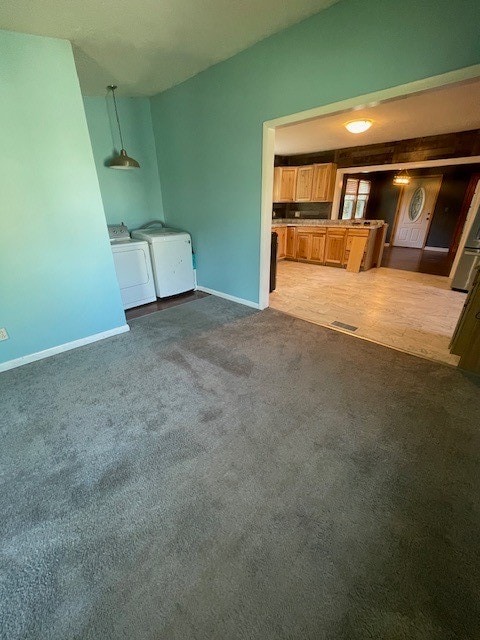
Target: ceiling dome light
x: 358, y: 126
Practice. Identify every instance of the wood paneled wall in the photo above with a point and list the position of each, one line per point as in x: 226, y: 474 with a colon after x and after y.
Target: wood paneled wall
x: 449, y: 145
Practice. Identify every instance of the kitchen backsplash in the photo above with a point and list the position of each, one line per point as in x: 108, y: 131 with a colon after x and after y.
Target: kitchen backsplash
x: 318, y: 210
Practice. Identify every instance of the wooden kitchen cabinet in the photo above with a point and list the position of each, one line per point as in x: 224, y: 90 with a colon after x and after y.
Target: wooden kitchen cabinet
x: 353, y: 233
x: 323, y: 182
x: 303, y: 245
x: 303, y: 188
x: 290, y: 244
x: 284, y: 184
x: 317, y: 249
x: 309, y: 183
x: 310, y: 245
x: 332, y: 246
x: 335, y: 246
x: 282, y: 241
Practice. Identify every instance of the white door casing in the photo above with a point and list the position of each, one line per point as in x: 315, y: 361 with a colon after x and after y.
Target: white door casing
x: 415, y: 210
x: 350, y: 104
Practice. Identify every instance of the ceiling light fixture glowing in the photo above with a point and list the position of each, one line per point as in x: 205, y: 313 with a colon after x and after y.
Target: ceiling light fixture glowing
x: 358, y: 126
x: 401, y: 179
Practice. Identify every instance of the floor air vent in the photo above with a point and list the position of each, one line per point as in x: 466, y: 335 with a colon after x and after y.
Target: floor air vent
x: 342, y: 325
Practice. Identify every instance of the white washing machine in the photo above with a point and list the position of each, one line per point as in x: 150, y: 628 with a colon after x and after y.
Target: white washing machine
x: 133, y: 267
x: 171, y: 253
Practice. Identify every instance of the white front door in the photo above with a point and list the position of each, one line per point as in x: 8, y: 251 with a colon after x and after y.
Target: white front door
x: 415, y: 210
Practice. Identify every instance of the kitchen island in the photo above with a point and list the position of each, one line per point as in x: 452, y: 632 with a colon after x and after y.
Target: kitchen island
x: 346, y: 244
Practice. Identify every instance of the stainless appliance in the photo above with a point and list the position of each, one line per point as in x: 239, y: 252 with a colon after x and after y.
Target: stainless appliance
x: 468, y: 263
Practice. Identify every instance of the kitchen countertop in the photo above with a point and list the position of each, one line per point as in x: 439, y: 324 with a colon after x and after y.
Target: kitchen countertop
x: 344, y: 224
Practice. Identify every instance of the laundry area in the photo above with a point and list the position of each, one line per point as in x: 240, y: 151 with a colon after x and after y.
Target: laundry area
x: 154, y: 263
x: 151, y: 262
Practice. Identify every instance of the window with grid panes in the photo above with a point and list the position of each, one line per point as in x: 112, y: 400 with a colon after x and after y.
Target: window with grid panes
x: 355, y: 199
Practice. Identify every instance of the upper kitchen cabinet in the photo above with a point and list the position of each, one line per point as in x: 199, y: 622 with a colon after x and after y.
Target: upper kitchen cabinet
x: 324, y: 182
x: 309, y: 183
x: 284, y: 184
x: 303, y: 189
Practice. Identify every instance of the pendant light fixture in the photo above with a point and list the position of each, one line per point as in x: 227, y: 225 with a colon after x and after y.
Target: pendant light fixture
x: 122, y: 161
x: 401, y: 179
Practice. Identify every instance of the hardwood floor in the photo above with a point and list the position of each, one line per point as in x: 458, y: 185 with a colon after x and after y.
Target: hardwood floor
x: 164, y: 303
x: 412, y: 312
x: 436, y: 263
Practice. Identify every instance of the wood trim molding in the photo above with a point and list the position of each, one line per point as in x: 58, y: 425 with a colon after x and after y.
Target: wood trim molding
x: 474, y: 205
x: 467, y: 201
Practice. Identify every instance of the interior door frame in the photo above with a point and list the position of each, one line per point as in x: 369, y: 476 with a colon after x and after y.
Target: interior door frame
x: 471, y: 215
x: 399, y: 202
x: 343, y: 106
x: 462, y: 216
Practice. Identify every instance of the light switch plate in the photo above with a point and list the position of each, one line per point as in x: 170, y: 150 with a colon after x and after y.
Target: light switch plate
x: 3, y: 334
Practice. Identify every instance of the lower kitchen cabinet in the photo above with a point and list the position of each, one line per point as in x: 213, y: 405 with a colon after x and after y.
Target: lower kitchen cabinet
x: 290, y: 244
x: 317, y: 250
x: 330, y: 245
x: 310, y: 246
x: 351, y: 234
x: 335, y: 246
x: 303, y: 245
x: 282, y: 241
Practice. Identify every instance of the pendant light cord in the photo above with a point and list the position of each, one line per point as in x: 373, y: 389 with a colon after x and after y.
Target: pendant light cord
x: 112, y: 88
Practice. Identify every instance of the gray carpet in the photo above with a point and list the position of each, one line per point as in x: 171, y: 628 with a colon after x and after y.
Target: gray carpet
x: 223, y: 474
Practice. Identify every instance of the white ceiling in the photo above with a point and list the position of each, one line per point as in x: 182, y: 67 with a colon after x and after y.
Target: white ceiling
x: 455, y: 108
x: 146, y: 46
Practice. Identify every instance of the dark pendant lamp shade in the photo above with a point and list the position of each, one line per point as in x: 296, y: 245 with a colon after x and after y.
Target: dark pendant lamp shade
x: 122, y: 161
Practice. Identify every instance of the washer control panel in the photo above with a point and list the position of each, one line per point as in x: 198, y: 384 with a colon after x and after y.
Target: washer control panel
x: 118, y: 232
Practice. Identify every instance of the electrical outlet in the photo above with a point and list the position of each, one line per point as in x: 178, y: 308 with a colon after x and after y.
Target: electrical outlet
x: 3, y: 334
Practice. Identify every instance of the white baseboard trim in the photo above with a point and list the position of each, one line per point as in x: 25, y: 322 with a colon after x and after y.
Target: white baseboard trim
x: 247, y: 303
x: 442, y: 249
x: 39, y: 355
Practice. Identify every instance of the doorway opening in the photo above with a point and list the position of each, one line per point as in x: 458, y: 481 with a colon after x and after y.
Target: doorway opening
x: 394, y: 263
x: 421, y: 243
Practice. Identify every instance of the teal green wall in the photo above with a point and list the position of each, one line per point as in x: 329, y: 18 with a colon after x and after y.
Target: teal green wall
x: 57, y: 280
x: 208, y: 130
x: 133, y: 197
